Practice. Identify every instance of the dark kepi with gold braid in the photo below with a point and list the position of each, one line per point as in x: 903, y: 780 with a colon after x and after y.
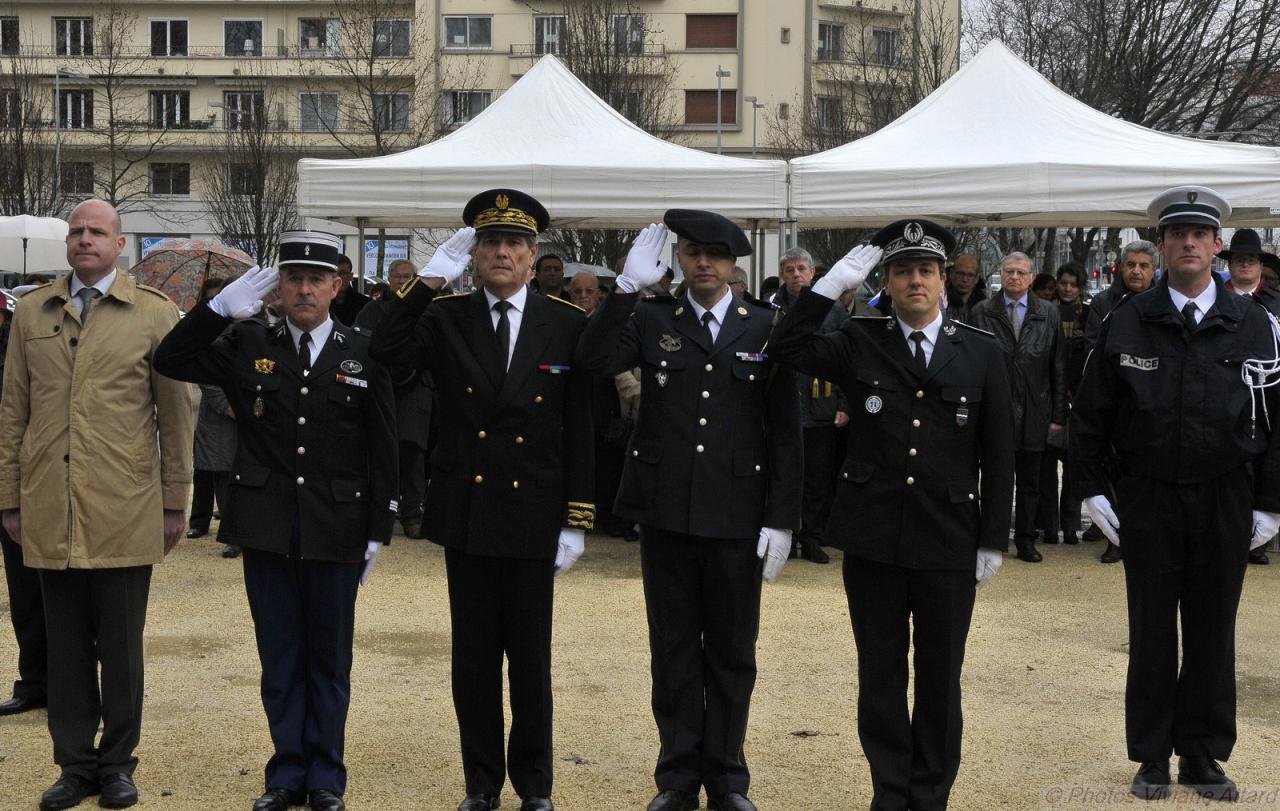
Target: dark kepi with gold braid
x: 506, y: 210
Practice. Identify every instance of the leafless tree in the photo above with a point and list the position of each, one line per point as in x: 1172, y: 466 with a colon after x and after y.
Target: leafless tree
x: 28, y: 170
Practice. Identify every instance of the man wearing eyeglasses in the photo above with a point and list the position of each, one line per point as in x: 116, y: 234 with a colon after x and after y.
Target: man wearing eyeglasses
x: 963, y: 291
x: 1028, y: 330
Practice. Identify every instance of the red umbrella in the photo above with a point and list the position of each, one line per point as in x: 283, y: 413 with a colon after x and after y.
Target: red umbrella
x: 180, y: 266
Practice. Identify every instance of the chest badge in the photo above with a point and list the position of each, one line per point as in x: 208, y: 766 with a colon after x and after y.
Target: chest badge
x: 669, y: 343
x: 264, y: 366
x: 962, y: 416
x: 949, y: 329
x: 662, y: 378
x: 259, y: 408
x: 351, y: 367
x: 874, y: 404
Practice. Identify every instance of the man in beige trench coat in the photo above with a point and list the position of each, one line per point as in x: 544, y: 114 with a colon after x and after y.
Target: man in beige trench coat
x: 95, y: 472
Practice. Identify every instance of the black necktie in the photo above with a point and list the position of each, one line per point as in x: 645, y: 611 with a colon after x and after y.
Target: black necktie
x: 504, y: 331
x: 1189, y: 315
x: 304, y: 351
x: 921, y: 363
x: 707, y: 318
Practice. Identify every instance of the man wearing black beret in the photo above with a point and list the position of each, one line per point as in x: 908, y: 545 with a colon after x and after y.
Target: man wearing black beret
x: 712, y: 475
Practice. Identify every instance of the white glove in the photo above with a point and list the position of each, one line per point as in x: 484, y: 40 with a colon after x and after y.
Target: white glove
x: 644, y: 265
x: 776, y: 543
x: 1104, y: 517
x: 849, y: 273
x: 989, y: 561
x: 1265, y: 526
x: 572, y: 542
x: 371, y: 551
x: 243, y: 297
x: 451, y: 258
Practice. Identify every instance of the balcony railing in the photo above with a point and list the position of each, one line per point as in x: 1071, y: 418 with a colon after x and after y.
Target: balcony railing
x: 209, y: 125
x: 212, y: 52
x: 657, y: 50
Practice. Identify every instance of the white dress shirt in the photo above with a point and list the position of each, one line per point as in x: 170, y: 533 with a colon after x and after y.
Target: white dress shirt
x: 103, y: 285
x: 319, y: 336
x: 930, y: 331
x: 718, y: 311
x: 515, y: 314
x: 1203, y: 301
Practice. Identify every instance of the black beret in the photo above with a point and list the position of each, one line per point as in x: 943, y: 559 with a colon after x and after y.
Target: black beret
x: 914, y: 238
x: 506, y: 210
x: 708, y: 228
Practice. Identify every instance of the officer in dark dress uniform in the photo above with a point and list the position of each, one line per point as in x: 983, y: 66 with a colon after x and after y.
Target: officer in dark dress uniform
x: 922, y: 501
x: 512, y: 471
x: 713, y: 475
x: 1199, y: 475
x: 311, y: 498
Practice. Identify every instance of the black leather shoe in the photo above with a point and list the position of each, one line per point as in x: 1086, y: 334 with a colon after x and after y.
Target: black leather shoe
x: 480, y: 802
x: 1070, y: 537
x: 231, y: 551
x: 68, y: 792
x: 324, y: 800
x: 118, y: 791
x: 733, y: 801
x: 1029, y: 554
x: 1205, y: 777
x: 413, y: 529
x: 197, y: 533
x: 19, y: 704
x: 630, y: 535
x: 812, y: 552
x: 1152, y: 781
x: 1050, y: 537
x: 1112, y: 555
x: 279, y: 799
x: 1259, y: 557
x: 537, y: 804
x: 672, y: 800
x: 1092, y: 534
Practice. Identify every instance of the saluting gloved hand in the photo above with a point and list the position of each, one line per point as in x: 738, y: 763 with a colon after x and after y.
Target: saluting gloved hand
x: 849, y: 273
x: 451, y: 258
x: 1265, y: 526
x: 989, y: 561
x: 572, y: 542
x: 774, y: 547
x: 1100, y: 511
x: 644, y: 265
x: 243, y: 297
x: 371, y: 551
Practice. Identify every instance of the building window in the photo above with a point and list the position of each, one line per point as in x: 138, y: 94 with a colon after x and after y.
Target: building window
x: 318, y: 37
x: 75, y: 109
x: 242, y: 108
x: 391, y: 111
x: 76, y: 177
x: 829, y: 112
x: 170, y: 108
x: 711, y: 31
x: 830, y: 42
x: 8, y: 36
x: 700, y: 107
x: 319, y: 112
x: 884, y: 43
x: 10, y: 108
x: 468, y: 32
x: 241, y: 179
x: 548, y: 34
x: 391, y: 38
x: 628, y: 102
x: 627, y: 34
x: 242, y: 37
x: 73, y: 36
x: 168, y: 37
x: 171, y: 178
x: 882, y: 113
x: 460, y: 106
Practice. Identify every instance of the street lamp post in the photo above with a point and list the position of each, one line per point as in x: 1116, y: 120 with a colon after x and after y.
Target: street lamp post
x: 755, y: 105
x: 721, y: 73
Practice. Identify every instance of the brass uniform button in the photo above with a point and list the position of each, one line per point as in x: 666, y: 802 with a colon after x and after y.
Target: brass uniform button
x: 482, y: 434
x: 911, y: 480
x: 519, y: 440
x: 479, y: 480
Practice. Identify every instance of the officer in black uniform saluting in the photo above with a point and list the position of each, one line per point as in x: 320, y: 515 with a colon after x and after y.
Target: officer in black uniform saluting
x: 311, y: 497
x: 713, y: 475
x: 922, y: 502
x: 1171, y: 390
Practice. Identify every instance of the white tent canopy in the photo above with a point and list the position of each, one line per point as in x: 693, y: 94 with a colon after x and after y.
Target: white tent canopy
x: 550, y: 136
x: 998, y: 144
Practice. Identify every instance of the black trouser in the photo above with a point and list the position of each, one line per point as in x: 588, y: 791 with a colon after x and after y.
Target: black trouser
x: 608, y: 472
x: 497, y: 606
x: 820, y: 449
x: 95, y: 616
x: 413, y: 481
x: 1026, y: 495
x: 26, y: 610
x: 702, y: 596
x: 304, y: 623
x: 1185, y: 552
x: 206, y: 485
x: 913, y: 756
x: 1054, y: 513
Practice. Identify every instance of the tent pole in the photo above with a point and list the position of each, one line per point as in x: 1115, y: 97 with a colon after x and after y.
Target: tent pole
x: 358, y: 281
x: 755, y: 252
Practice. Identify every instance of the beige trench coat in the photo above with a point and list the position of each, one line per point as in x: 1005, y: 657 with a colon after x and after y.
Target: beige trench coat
x: 94, y: 443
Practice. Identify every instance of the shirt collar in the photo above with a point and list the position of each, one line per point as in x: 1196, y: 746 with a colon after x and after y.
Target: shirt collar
x: 1022, y: 301
x: 718, y: 309
x: 1203, y: 301
x: 517, y: 301
x: 319, y: 335
x: 103, y: 285
x: 930, y: 330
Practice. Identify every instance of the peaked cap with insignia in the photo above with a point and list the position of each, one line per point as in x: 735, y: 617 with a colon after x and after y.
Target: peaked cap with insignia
x: 311, y: 248
x: 506, y: 210
x: 1189, y: 204
x: 909, y: 239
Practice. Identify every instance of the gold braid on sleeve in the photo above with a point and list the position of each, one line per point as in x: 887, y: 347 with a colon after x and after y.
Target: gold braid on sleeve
x: 580, y: 515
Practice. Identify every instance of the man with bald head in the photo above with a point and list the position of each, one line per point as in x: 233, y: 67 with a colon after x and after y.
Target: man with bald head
x: 99, y: 496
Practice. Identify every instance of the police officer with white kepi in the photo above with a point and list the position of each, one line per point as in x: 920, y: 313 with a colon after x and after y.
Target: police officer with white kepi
x: 1173, y: 396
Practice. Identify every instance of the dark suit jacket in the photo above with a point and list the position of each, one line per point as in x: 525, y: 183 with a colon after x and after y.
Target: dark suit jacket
x: 929, y: 473
x: 717, y: 449
x: 346, y: 311
x: 414, y: 388
x: 314, y: 449
x: 513, y: 461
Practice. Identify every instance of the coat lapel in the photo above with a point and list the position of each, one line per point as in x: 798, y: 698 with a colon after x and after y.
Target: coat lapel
x: 483, y: 340
x: 333, y: 352
x: 530, y: 342
x: 286, y: 352
x: 944, y: 350
x: 895, y: 346
x: 688, y: 325
x: 736, y: 319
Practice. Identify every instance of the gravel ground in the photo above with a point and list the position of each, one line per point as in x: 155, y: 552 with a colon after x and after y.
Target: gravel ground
x: 1044, y: 688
